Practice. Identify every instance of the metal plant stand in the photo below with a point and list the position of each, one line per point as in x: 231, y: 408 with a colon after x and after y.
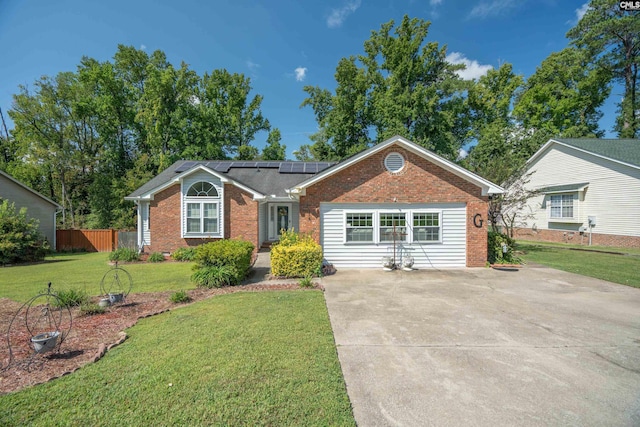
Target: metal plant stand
x: 39, y: 326
x: 116, y: 285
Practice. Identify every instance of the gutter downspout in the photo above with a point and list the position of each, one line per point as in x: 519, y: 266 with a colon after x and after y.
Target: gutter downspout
x: 139, y: 231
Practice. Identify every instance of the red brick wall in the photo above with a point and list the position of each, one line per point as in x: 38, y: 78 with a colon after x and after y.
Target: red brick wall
x: 240, y: 219
x: 419, y: 182
x: 240, y: 215
x: 575, y: 238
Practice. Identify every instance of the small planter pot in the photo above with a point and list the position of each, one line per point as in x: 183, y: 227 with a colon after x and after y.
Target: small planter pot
x: 45, y: 342
x: 104, y: 302
x: 387, y: 263
x: 116, y: 297
x: 407, y: 263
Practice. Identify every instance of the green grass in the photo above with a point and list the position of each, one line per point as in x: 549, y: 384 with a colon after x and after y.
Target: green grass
x: 624, y: 250
x: 621, y: 269
x: 84, y: 271
x: 239, y: 359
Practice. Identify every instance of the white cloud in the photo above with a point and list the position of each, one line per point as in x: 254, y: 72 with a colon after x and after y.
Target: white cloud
x: 337, y: 16
x: 301, y: 73
x: 435, y: 2
x: 143, y: 47
x: 581, y: 11
x: 462, y: 153
x: 492, y: 8
x: 473, y: 71
x: 252, y: 66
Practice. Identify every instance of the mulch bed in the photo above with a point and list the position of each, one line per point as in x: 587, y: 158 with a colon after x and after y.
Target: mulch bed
x: 90, y: 336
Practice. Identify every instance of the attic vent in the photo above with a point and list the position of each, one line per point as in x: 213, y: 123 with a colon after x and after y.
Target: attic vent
x: 394, y: 162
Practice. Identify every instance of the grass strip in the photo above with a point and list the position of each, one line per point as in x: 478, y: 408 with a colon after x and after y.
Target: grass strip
x: 240, y: 359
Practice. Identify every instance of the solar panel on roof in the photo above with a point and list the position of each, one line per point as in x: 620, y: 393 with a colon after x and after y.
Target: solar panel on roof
x: 185, y: 166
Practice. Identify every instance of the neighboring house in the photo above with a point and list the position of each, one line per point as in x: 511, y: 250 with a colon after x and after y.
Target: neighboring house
x: 38, y: 206
x: 585, y: 186
x: 437, y: 209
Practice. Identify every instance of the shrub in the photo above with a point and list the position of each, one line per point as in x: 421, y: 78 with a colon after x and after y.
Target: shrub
x: 90, y: 309
x: 124, y: 254
x: 20, y: 240
x: 226, y: 253
x: 179, y: 297
x: 156, y: 257
x: 496, y: 255
x: 72, y: 298
x: 216, y: 276
x: 184, y: 254
x: 306, y: 282
x: 298, y: 256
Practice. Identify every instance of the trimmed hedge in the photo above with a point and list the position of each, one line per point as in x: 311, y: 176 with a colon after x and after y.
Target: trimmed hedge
x: 296, y: 256
x: 232, y: 257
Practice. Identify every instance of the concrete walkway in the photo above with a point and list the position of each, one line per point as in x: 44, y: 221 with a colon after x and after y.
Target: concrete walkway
x: 480, y: 347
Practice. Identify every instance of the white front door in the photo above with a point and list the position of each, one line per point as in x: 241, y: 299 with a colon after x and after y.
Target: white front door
x: 279, y: 219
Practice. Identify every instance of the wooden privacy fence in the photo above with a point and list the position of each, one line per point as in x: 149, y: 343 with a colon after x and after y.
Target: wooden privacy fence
x: 89, y: 240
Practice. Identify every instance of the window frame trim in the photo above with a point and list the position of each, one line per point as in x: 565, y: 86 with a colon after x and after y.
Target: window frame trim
x: 574, y: 207
x: 376, y: 226
x: 201, y: 200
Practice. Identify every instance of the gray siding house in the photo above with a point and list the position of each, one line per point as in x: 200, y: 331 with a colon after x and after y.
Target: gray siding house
x: 38, y: 206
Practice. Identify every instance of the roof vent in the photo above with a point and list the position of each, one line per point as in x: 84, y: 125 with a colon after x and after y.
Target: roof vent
x: 394, y: 162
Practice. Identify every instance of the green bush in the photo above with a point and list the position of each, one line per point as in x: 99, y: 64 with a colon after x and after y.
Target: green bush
x: 306, y: 282
x: 90, y: 309
x: 124, y: 254
x: 179, y: 297
x: 184, y: 254
x: 20, y: 240
x: 496, y: 255
x: 216, y: 276
x: 72, y: 298
x: 156, y: 257
x: 226, y: 253
x: 296, y: 256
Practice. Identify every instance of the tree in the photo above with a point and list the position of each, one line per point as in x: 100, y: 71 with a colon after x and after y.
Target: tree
x: 497, y: 153
x: 400, y: 85
x: 564, y: 95
x: 509, y: 208
x: 612, y: 36
x: 274, y: 150
x: 20, y: 240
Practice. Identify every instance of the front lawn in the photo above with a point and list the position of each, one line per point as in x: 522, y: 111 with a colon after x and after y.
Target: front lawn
x: 84, y: 271
x: 240, y: 359
x: 588, y: 261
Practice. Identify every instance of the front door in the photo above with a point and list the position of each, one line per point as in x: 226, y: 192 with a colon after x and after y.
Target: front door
x: 279, y: 219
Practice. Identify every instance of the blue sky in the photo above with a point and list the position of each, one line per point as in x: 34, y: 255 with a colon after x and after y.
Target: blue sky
x: 281, y: 45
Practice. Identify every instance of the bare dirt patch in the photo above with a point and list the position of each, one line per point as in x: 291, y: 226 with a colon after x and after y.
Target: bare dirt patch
x: 90, y: 335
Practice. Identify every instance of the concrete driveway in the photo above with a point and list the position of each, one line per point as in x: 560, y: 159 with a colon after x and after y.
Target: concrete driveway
x: 480, y: 347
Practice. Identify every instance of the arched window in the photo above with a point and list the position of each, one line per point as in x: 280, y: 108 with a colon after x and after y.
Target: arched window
x: 202, y: 189
x: 202, y: 210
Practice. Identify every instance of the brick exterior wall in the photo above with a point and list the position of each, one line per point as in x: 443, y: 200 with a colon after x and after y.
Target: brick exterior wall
x: 240, y: 219
x: 575, y: 238
x: 419, y: 182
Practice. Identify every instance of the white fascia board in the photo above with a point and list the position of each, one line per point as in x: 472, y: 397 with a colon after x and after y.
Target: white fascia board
x: 149, y: 194
x: 486, y: 186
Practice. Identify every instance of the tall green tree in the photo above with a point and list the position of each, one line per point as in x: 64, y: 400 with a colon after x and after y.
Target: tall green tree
x: 564, y: 95
x: 274, y: 150
x: 497, y: 153
x: 612, y: 35
x: 402, y: 84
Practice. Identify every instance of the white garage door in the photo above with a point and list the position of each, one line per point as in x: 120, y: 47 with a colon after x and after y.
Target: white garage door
x: 360, y: 235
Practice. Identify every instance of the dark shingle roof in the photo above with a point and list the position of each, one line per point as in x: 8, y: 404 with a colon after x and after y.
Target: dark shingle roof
x: 622, y: 150
x: 267, y: 178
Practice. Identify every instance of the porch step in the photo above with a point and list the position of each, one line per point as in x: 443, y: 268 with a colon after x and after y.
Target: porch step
x: 266, y: 245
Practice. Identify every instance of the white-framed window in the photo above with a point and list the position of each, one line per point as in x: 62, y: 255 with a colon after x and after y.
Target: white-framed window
x: 411, y: 226
x: 393, y: 223
x: 561, y: 206
x: 426, y: 227
x: 359, y: 227
x: 202, y: 210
